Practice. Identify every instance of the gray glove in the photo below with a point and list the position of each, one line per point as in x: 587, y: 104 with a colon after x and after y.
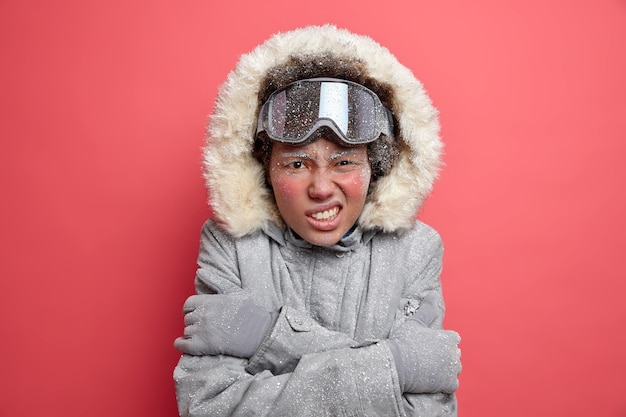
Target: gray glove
x: 427, y: 360
x: 224, y: 324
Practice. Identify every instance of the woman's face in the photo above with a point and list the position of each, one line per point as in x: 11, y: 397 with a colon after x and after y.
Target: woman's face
x: 320, y: 188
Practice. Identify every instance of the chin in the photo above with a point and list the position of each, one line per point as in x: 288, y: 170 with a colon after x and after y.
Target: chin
x: 323, y: 239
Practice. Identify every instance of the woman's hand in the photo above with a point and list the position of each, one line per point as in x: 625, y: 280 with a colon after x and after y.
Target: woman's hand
x: 223, y: 324
x: 427, y: 360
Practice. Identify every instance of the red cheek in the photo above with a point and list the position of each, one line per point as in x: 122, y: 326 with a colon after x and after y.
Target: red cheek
x: 286, y: 189
x: 356, y: 184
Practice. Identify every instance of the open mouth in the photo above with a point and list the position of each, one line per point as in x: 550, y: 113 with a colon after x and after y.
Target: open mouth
x: 326, y: 214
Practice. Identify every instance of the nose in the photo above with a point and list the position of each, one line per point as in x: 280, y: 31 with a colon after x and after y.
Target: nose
x: 322, y: 186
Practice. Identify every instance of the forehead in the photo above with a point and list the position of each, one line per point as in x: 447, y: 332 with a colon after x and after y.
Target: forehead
x: 319, y: 148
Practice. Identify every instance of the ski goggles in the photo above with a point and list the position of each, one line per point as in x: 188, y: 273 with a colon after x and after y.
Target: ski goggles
x: 352, y: 112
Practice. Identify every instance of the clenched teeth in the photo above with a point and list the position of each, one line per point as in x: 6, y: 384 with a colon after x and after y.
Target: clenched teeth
x: 326, y: 214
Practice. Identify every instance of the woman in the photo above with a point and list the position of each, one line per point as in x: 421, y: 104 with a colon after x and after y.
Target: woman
x: 318, y: 291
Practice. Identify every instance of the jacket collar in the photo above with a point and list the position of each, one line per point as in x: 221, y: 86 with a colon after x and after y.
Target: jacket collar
x: 349, y: 242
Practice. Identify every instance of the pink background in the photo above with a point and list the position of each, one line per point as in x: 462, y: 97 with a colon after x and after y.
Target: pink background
x: 103, y: 106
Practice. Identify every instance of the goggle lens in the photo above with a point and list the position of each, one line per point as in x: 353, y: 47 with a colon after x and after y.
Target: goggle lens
x: 353, y: 112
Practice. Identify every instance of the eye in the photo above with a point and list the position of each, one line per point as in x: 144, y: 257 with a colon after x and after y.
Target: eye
x: 345, y: 162
x: 295, y: 164
x: 347, y: 165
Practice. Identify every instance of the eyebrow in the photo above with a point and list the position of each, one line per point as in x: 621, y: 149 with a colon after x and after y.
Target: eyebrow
x: 340, y: 154
x: 296, y: 154
x: 303, y: 155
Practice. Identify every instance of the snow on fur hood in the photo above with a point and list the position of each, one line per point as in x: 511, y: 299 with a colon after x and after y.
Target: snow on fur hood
x: 239, y: 198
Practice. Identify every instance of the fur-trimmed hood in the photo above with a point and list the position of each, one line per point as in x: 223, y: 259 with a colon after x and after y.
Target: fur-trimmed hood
x: 238, y: 195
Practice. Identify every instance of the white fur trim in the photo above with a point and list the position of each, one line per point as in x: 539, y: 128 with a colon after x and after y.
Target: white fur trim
x: 235, y: 179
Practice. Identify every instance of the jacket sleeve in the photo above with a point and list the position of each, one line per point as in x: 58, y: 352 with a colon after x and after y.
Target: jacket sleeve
x: 342, y: 382
x: 294, y: 335
x: 423, y: 282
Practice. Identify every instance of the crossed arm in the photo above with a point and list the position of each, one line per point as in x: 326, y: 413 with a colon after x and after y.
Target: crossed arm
x: 242, y: 359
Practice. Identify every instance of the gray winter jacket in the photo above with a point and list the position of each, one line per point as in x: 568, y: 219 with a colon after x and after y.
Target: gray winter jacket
x: 327, y: 353
x: 323, y: 356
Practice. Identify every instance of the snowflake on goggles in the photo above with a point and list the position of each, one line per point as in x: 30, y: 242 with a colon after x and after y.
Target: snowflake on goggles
x: 352, y: 112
